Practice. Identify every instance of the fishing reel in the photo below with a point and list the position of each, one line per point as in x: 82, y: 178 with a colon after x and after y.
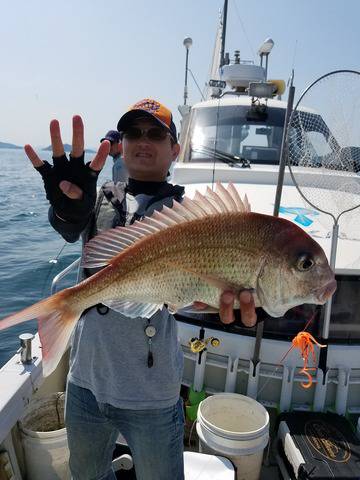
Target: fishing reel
x: 198, y: 345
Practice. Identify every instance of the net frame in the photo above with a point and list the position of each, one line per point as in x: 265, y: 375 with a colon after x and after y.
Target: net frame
x: 332, y: 141
x: 322, y: 370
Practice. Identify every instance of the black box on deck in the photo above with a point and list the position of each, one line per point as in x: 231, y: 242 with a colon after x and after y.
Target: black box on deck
x: 318, y: 446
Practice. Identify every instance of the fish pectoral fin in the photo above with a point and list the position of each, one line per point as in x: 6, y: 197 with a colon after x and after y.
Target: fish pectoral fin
x: 133, y: 309
x: 194, y: 310
x: 190, y: 309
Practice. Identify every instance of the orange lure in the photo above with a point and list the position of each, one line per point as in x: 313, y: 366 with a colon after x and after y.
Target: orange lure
x: 305, y: 342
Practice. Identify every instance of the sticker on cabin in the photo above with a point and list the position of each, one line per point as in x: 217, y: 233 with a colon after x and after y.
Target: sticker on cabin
x: 301, y: 214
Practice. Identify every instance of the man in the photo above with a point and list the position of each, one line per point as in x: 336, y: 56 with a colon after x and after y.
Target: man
x: 125, y: 374
x: 119, y: 172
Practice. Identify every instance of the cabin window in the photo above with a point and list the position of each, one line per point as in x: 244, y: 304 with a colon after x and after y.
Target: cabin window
x: 225, y: 134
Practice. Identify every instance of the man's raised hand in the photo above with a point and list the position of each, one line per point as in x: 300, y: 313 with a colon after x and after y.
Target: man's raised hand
x: 70, y: 184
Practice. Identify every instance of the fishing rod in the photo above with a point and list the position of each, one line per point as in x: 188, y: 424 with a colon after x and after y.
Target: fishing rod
x: 283, y: 159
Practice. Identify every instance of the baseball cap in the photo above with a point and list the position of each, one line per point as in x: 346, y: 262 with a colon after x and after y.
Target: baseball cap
x: 113, y: 136
x: 153, y: 109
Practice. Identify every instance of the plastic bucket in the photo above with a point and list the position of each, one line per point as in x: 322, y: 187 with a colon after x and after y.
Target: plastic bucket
x: 44, y: 439
x: 238, y: 428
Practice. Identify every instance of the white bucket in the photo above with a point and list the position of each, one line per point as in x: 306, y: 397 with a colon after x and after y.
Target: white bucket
x: 44, y: 439
x: 238, y: 428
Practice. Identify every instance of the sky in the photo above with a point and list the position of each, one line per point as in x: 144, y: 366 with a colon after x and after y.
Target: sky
x: 97, y: 57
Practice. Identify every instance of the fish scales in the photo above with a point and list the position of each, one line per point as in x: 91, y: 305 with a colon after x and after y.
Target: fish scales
x: 218, y: 245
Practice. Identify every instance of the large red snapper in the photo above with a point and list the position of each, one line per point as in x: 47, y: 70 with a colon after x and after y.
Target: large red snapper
x: 189, y: 253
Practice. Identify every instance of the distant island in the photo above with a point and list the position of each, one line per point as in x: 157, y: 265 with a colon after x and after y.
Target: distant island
x: 10, y: 145
x: 68, y: 148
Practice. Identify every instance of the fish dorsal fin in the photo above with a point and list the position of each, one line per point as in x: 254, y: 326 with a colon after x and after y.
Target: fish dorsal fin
x: 100, y: 250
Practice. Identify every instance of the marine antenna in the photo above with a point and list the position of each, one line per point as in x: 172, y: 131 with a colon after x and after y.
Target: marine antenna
x: 218, y: 63
x: 187, y: 44
x: 223, y: 34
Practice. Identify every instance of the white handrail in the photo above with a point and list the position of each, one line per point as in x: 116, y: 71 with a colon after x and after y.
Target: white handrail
x: 63, y: 274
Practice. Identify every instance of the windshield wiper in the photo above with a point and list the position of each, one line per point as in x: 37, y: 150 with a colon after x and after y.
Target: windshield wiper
x: 232, y: 160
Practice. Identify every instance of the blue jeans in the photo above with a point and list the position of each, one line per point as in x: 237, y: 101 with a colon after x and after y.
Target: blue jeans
x: 155, y: 438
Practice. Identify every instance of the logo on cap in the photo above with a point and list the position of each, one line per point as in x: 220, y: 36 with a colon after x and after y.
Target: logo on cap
x: 147, y: 104
x: 154, y: 108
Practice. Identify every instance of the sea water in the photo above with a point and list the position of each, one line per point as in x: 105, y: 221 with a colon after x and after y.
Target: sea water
x: 31, y: 252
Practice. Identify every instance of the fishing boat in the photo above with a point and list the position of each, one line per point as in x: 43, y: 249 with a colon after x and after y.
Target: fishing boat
x: 236, y: 133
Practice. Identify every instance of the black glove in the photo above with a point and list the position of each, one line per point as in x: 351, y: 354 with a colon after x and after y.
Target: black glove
x: 74, y: 171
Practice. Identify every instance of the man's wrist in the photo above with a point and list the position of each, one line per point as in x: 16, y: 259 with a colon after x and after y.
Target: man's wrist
x: 77, y: 221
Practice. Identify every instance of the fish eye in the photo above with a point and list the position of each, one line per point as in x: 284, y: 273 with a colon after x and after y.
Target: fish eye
x: 305, y: 263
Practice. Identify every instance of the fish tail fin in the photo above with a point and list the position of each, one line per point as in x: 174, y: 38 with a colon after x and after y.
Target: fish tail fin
x: 56, y: 319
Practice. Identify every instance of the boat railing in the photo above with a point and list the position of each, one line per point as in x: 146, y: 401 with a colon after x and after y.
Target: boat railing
x: 63, y: 274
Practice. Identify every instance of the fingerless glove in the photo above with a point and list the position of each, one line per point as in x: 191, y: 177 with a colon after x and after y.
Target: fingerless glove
x: 75, y: 171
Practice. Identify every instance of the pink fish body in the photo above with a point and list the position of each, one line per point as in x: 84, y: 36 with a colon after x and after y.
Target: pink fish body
x: 191, y: 252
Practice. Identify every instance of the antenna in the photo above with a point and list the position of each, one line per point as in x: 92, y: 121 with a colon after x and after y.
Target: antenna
x: 187, y: 44
x: 223, y: 35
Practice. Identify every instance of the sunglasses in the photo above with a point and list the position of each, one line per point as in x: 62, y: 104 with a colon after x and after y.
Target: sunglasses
x: 154, y: 134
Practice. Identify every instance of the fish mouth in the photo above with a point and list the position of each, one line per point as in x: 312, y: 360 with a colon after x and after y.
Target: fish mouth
x: 325, y: 292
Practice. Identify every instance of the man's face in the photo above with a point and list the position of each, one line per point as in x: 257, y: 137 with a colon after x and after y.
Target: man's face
x: 146, y: 159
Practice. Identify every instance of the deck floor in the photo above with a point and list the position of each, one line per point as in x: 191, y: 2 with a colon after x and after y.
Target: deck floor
x: 270, y: 469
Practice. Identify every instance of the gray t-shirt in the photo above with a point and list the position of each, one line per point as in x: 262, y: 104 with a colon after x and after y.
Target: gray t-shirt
x: 109, y: 357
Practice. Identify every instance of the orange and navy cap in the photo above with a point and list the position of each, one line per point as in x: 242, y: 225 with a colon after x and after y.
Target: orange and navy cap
x: 153, y: 109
